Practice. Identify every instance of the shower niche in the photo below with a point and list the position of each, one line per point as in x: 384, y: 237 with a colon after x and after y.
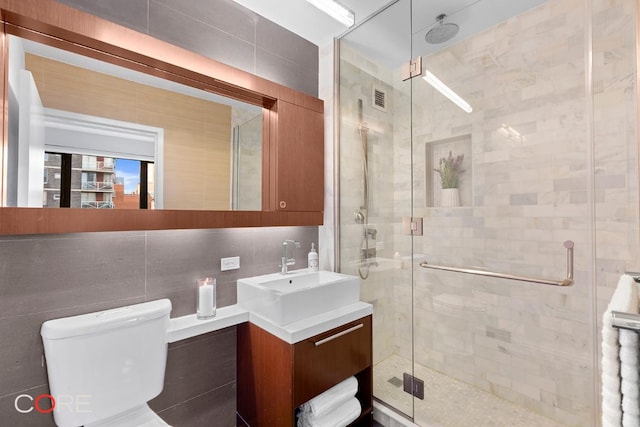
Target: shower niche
x: 448, y: 172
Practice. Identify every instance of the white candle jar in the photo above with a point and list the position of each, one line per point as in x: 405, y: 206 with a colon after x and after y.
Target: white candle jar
x: 206, y: 303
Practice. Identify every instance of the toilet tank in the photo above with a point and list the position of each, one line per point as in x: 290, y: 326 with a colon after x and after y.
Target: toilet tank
x: 105, y: 363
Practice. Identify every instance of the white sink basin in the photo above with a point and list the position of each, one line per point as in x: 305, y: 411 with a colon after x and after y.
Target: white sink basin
x: 300, y: 294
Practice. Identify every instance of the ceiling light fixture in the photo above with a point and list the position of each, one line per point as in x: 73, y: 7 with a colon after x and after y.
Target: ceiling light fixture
x: 446, y: 91
x: 336, y: 11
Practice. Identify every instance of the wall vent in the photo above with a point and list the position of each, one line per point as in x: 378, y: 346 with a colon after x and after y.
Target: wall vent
x: 379, y: 99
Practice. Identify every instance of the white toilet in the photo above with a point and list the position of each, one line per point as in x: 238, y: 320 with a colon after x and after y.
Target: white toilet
x: 104, y: 367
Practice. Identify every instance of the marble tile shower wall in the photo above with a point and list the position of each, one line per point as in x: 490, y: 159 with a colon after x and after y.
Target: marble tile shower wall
x: 47, y: 277
x: 527, y: 343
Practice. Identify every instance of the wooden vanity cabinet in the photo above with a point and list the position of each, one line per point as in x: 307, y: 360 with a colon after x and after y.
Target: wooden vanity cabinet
x: 275, y: 377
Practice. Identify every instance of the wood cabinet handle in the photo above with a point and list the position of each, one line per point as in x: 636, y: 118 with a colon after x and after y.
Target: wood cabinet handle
x: 339, y: 334
x: 283, y: 204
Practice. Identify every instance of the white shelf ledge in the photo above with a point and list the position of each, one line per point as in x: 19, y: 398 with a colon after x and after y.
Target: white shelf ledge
x: 189, y: 326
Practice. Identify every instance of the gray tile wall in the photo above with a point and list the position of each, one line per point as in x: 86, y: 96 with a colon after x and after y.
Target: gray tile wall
x: 52, y: 276
x: 47, y: 277
x: 222, y: 30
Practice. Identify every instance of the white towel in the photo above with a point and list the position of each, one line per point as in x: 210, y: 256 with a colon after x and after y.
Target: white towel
x: 328, y: 400
x: 341, y: 416
x: 624, y: 299
x: 629, y: 378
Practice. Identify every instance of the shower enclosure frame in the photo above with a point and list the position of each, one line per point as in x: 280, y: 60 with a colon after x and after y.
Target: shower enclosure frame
x: 587, y: 247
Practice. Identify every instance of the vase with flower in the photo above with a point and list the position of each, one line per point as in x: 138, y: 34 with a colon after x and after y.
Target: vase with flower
x: 450, y: 169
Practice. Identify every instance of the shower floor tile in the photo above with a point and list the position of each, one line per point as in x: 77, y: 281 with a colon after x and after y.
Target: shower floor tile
x: 449, y: 402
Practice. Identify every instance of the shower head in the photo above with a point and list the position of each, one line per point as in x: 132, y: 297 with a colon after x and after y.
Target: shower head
x: 441, y: 32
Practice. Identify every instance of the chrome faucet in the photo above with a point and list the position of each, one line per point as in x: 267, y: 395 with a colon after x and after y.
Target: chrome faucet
x: 286, y: 261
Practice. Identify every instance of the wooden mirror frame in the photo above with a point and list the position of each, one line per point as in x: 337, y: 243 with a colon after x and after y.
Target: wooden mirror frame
x: 58, y: 25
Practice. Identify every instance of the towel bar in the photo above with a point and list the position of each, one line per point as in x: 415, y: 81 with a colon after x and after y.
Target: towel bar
x: 623, y: 320
x: 564, y: 282
x: 634, y: 274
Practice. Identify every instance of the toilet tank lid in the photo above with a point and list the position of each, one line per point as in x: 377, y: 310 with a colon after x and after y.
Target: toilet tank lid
x: 114, y: 318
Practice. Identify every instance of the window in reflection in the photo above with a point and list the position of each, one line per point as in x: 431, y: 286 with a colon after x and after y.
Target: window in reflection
x: 97, y: 182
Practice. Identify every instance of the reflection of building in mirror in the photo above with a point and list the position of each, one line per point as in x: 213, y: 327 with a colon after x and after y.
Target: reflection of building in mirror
x: 96, y: 182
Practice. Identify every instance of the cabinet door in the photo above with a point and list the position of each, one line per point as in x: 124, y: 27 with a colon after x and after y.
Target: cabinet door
x: 324, y: 360
x: 264, y: 378
x: 299, y: 159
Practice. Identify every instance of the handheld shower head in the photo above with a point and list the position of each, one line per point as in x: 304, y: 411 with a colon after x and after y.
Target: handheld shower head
x: 441, y: 32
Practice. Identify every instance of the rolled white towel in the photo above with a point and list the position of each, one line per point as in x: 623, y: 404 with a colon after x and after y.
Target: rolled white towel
x: 625, y: 299
x: 629, y: 378
x: 341, y: 416
x: 330, y: 399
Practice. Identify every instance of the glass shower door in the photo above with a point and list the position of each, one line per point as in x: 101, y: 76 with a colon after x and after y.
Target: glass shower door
x: 500, y: 178
x: 376, y: 194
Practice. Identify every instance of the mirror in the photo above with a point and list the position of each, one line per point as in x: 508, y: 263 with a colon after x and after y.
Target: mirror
x: 84, y: 133
x: 292, y: 135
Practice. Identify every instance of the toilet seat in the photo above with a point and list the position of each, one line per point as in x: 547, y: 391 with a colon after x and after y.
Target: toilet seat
x: 141, y: 416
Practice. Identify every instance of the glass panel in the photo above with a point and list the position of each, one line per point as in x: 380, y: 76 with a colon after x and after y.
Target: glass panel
x: 375, y: 191
x: 615, y: 140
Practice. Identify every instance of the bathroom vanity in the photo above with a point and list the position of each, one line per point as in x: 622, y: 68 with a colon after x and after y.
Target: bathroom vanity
x: 298, y: 335
x: 280, y: 367
x: 308, y: 331
x: 275, y: 376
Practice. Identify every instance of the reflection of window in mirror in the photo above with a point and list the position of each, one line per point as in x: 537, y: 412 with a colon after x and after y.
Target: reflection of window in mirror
x: 96, y: 182
x: 60, y: 102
